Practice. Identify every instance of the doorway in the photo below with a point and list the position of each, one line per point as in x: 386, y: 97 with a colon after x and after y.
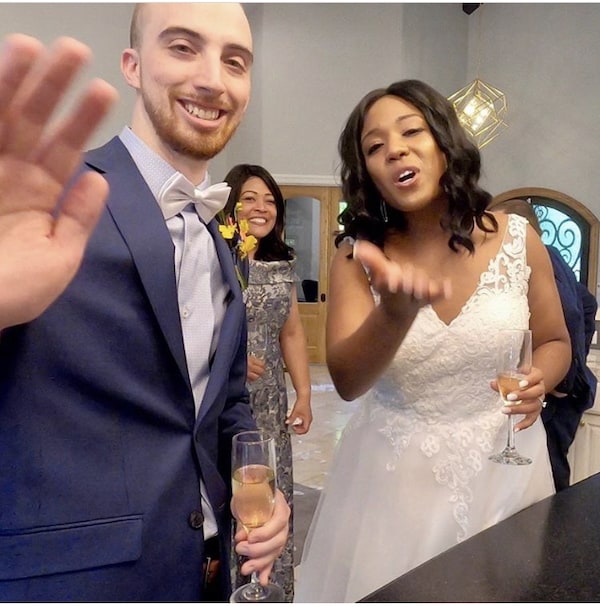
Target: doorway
x: 311, y: 225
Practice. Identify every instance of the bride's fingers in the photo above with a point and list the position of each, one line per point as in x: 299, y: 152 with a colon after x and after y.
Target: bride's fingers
x: 527, y: 421
x: 394, y: 278
x: 369, y: 255
x: 41, y: 90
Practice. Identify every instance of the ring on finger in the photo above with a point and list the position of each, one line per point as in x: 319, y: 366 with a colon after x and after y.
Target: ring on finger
x: 542, y: 402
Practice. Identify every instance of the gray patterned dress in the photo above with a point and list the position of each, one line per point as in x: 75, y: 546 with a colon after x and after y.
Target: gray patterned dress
x: 268, y: 303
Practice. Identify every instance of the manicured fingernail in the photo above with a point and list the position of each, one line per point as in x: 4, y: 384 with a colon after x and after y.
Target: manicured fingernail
x: 511, y: 396
x: 505, y: 410
x: 523, y: 383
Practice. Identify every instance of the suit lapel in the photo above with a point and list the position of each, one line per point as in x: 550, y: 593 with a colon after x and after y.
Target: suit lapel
x: 138, y: 218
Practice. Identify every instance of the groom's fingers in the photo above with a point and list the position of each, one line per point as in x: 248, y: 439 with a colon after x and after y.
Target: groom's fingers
x: 39, y: 93
x: 79, y: 214
x: 17, y: 55
x: 60, y: 151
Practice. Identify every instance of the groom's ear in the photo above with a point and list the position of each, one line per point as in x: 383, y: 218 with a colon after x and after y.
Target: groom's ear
x: 130, y: 67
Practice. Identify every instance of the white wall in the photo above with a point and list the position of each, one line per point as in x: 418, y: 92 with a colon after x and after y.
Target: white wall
x: 104, y: 27
x: 314, y: 63
x: 546, y: 58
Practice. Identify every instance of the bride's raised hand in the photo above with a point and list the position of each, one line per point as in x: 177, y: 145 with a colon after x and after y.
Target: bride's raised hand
x: 396, y: 283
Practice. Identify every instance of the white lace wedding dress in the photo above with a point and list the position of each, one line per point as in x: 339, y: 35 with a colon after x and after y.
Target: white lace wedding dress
x: 411, y: 475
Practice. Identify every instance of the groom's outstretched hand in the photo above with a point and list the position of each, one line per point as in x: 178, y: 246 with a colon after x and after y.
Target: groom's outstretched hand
x: 44, y: 227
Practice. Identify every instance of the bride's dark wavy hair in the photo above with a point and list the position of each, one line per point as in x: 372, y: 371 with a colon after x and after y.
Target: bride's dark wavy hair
x: 467, y: 202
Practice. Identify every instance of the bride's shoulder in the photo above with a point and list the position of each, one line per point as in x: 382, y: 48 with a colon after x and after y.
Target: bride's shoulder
x: 492, y: 235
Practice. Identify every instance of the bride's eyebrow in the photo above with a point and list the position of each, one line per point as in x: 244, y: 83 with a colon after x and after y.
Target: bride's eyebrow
x: 375, y: 130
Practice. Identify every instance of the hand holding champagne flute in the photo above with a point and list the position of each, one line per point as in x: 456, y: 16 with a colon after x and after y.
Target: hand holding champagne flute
x: 513, y: 364
x: 254, y: 484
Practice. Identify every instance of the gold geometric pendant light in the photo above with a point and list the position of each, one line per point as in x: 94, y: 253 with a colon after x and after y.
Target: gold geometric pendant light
x: 481, y: 108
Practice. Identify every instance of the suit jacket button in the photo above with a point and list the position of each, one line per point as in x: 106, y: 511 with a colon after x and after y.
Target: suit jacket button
x: 196, y: 519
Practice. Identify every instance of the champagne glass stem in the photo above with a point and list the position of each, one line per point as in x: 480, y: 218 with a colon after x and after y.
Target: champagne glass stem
x: 254, y: 591
x: 510, y: 439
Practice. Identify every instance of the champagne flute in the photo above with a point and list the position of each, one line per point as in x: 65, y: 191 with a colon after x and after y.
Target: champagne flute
x: 254, y: 483
x: 513, y: 364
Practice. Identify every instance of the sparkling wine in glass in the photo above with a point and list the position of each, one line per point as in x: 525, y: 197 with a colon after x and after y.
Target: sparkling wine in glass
x: 254, y: 483
x: 513, y: 364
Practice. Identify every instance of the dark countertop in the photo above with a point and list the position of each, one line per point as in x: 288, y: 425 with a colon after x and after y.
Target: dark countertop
x: 547, y: 552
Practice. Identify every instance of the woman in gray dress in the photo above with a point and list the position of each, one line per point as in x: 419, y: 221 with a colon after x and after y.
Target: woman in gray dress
x: 275, y: 334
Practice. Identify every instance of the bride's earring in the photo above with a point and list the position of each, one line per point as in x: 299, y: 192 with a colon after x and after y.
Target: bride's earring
x: 383, y: 209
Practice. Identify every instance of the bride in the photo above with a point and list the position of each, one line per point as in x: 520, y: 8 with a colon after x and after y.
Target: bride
x: 423, y: 279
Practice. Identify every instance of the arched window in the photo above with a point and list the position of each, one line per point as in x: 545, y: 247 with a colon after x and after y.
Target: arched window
x: 567, y: 225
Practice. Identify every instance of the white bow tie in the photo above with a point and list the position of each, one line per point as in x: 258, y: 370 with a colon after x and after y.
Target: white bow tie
x: 178, y: 192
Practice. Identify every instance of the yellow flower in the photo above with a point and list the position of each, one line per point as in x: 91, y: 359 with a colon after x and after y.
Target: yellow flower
x: 244, y: 227
x: 227, y: 231
x: 240, y: 241
x: 246, y: 245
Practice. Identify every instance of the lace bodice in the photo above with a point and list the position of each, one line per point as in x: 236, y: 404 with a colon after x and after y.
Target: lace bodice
x: 439, y: 364
x: 436, y: 390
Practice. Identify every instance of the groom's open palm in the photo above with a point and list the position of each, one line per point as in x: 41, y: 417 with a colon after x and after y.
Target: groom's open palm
x: 44, y: 227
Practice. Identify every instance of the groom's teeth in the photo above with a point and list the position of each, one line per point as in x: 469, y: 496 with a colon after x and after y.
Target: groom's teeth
x: 201, y: 113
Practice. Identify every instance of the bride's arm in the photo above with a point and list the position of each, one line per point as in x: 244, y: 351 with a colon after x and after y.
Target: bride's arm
x: 551, y: 343
x: 362, y: 338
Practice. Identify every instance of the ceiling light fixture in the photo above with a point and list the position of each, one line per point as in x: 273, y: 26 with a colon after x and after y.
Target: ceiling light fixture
x: 481, y: 108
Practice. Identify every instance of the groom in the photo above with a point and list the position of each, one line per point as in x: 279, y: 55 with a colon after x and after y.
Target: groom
x: 118, y: 404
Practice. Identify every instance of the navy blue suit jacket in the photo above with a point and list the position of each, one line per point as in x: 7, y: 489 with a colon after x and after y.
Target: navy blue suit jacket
x: 100, y: 450
x: 579, y: 307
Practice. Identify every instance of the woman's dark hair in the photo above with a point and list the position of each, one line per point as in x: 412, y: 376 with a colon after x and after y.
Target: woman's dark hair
x: 272, y: 247
x: 467, y: 202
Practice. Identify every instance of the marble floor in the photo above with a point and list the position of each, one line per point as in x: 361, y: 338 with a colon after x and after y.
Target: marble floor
x: 312, y: 452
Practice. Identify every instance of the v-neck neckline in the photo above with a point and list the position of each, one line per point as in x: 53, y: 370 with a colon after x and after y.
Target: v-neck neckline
x: 465, y: 305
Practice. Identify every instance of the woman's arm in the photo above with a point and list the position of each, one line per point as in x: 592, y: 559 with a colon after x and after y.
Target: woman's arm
x: 362, y: 338
x: 551, y: 343
x: 293, y: 348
